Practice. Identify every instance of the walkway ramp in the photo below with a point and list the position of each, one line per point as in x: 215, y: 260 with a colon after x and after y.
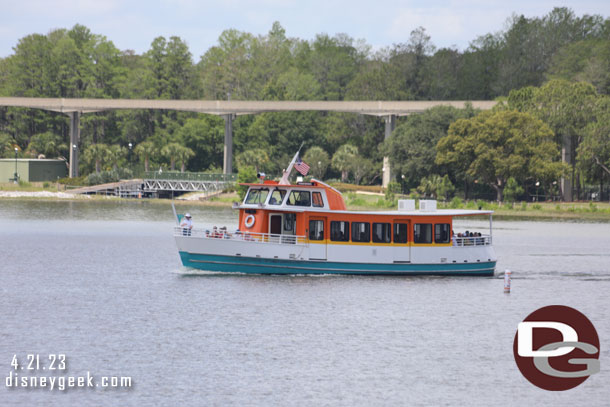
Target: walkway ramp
x: 124, y: 189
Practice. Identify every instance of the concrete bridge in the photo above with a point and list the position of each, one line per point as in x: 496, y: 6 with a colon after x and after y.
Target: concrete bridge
x: 389, y: 110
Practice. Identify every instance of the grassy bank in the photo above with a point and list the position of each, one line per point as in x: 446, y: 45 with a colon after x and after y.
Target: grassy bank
x: 370, y: 200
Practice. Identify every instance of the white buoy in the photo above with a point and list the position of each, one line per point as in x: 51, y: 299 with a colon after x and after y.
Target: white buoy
x: 507, y: 274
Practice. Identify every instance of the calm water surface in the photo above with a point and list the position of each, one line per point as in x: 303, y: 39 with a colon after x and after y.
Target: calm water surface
x: 102, y: 283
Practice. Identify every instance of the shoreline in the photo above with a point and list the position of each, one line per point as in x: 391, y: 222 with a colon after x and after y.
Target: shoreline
x: 541, y: 211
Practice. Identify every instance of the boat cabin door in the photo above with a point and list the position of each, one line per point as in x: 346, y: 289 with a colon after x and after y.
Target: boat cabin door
x: 282, y: 227
x: 316, y: 233
x: 401, y: 247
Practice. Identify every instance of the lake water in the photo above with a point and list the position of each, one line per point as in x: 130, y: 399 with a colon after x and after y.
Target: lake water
x: 102, y: 283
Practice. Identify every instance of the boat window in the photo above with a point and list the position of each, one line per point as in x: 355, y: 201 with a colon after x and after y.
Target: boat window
x: 289, y: 219
x: 400, y: 233
x: 361, y: 232
x: 257, y: 196
x: 339, y: 231
x: 299, y: 198
x: 316, y: 198
x: 382, y: 232
x: 316, y: 230
x: 442, y: 232
x: 422, y: 233
x: 277, y: 196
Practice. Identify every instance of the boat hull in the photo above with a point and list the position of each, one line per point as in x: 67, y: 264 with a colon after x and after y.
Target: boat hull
x: 260, y: 265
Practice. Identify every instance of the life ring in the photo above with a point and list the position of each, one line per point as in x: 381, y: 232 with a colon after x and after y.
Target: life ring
x: 249, y: 222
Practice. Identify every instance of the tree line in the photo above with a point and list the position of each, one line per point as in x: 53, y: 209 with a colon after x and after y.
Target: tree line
x: 530, y: 52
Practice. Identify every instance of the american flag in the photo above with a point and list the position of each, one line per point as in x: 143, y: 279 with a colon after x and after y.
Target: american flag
x: 301, y: 167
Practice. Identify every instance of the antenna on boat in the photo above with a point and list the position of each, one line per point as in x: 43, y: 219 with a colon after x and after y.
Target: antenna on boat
x: 286, y: 175
x: 175, y: 214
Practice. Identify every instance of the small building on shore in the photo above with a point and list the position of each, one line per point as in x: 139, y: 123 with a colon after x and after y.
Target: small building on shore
x: 32, y: 170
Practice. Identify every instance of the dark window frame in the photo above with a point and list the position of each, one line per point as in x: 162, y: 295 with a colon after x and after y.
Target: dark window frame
x: 356, y: 234
x: 448, y: 233
x: 334, y: 229
x: 313, y: 230
x: 296, y: 203
x: 259, y: 201
x: 386, y: 231
x: 282, y: 193
x: 417, y: 236
x: 396, y: 236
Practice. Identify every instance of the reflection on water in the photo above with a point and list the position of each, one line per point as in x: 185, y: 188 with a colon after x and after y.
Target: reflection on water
x: 102, y: 282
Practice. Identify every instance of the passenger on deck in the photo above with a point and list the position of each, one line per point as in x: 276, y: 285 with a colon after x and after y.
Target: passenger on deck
x: 223, y: 233
x: 215, y: 233
x: 186, y: 224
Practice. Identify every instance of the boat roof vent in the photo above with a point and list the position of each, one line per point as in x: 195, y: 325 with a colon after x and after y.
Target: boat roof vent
x: 406, y: 204
x: 427, y: 205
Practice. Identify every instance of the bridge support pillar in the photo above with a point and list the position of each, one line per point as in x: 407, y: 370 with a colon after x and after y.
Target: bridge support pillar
x: 390, y: 124
x: 74, y: 137
x: 227, y: 165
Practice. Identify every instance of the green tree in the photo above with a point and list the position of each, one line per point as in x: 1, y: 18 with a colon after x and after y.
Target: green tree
x: 512, y: 190
x: 116, y: 155
x: 145, y: 151
x: 430, y: 185
x: 48, y: 144
x: 594, y: 151
x: 204, y: 134
x: 495, y: 146
x: 184, y: 154
x: 97, y: 154
x: 245, y: 175
x: 567, y: 108
x: 171, y: 151
x: 412, y: 146
x: 257, y: 158
x: 584, y: 61
x: 318, y: 160
x: 343, y: 160
x: 6, y: 145
x: 411, y: 60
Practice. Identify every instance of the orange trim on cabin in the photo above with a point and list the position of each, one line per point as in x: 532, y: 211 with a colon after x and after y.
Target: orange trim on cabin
x: 261, y: 224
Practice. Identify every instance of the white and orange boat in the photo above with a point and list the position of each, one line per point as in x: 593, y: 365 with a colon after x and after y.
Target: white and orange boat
x: 304, y: 228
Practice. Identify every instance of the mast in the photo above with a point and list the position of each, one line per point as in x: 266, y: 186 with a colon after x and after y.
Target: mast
x: 286, y: 175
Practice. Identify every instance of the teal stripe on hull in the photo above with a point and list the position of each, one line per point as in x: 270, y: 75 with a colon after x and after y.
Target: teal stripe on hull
x: 257, y: 265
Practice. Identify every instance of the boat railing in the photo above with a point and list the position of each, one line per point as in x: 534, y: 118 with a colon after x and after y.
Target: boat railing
x: 241, y: 236
x: 483, y: 240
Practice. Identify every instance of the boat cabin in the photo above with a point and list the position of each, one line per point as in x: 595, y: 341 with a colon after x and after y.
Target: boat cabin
x: 316, y: 212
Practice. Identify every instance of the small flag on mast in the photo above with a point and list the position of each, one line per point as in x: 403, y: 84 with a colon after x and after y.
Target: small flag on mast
x: 301, y: 167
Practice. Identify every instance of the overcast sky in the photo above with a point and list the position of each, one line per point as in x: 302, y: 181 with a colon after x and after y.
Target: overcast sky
x: 134, y: 24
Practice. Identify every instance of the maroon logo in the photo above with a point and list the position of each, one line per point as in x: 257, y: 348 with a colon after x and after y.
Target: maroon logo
x: 556, y: 348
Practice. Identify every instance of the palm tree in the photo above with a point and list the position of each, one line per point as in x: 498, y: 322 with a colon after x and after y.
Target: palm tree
x: 344, y: 159
x: 98, y: 154
x: 116, y: 153
x: 318, y: 160
x: 171, y: 152
x: 256, y: 157
x: 184, y: 154
x: 6, y: 145
x: 48, y: 143
x: 145, y: 151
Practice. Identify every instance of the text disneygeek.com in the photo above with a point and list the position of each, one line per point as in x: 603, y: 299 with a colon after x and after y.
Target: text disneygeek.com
x: 23, y: 375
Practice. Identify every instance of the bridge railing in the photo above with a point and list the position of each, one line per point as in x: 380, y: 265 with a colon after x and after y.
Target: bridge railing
x: 189, y: 176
